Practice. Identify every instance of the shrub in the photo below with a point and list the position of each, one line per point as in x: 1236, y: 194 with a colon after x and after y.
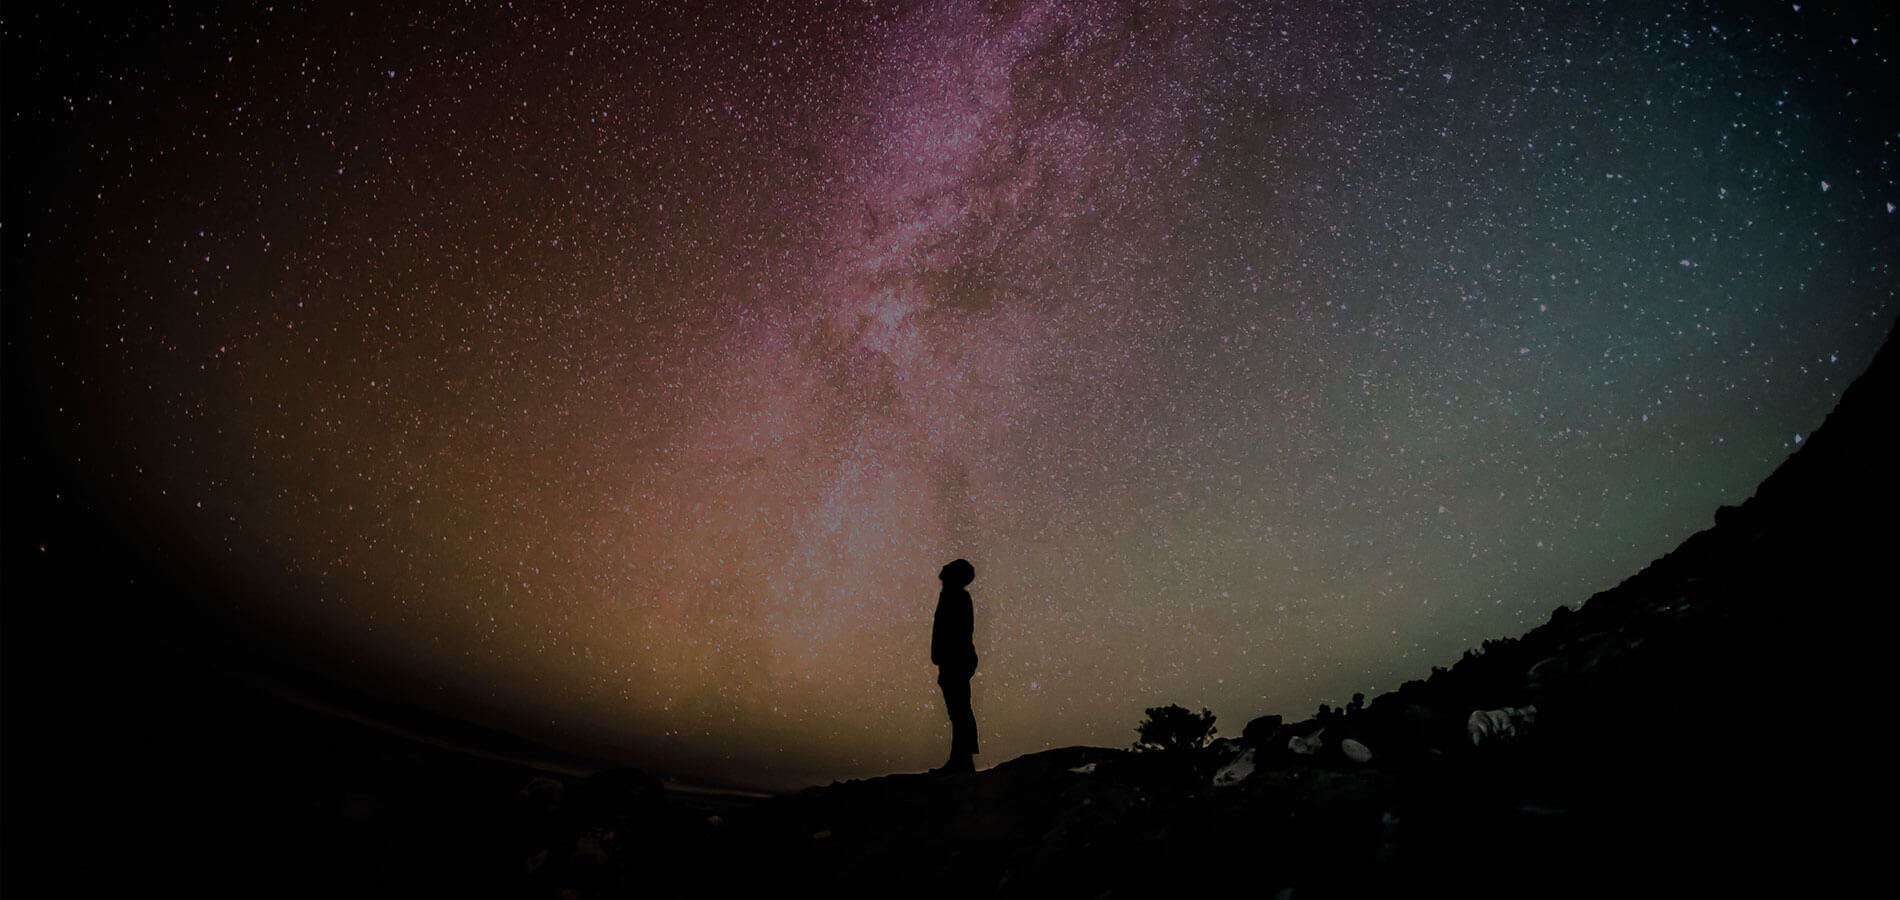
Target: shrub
x: 1173, y: 728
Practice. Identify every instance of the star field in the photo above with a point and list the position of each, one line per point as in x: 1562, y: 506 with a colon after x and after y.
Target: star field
x: 625, y: 377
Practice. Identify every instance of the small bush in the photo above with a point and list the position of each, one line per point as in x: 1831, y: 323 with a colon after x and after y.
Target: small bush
x: 1173, y: 728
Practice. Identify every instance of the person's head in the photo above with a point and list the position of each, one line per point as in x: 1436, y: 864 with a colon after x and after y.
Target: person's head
x: 957, y: 574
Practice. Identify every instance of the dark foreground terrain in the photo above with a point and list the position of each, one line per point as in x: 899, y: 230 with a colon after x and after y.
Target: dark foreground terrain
x: 1708, y: 726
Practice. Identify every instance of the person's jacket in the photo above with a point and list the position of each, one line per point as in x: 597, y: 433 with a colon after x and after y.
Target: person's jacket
x: 952, y: 644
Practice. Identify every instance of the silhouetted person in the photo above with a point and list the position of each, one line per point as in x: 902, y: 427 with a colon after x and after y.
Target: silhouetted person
x: 953, y: 651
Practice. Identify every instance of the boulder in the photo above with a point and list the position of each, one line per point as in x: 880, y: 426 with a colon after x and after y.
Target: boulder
x: 1499, y: 724
x: 1259, y: 732
x: 1236, y: 771
x: 1307, y: 745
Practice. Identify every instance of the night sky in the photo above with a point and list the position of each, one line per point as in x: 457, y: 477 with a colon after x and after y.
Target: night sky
x: 624, y: 378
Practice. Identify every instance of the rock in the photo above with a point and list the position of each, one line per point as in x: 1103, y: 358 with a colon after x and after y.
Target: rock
x: 1498, y: 724
x: 1308, y: 745
x: 1259, y: 732
x: 1237, y: 771
x: 1548, y: 669
x: 1355, y: 751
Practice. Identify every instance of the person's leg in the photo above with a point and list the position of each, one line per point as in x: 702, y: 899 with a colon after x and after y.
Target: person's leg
x: 956, y: 701
x: 963, y: 722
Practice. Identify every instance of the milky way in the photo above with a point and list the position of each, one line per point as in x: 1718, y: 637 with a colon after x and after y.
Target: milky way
x: 624, y: 378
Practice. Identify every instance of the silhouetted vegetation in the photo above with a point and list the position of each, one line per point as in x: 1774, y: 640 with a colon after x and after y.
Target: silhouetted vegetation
x: 1174, y: 728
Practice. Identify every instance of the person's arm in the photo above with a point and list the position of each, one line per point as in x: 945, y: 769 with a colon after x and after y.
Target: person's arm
x: 936, y: 635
